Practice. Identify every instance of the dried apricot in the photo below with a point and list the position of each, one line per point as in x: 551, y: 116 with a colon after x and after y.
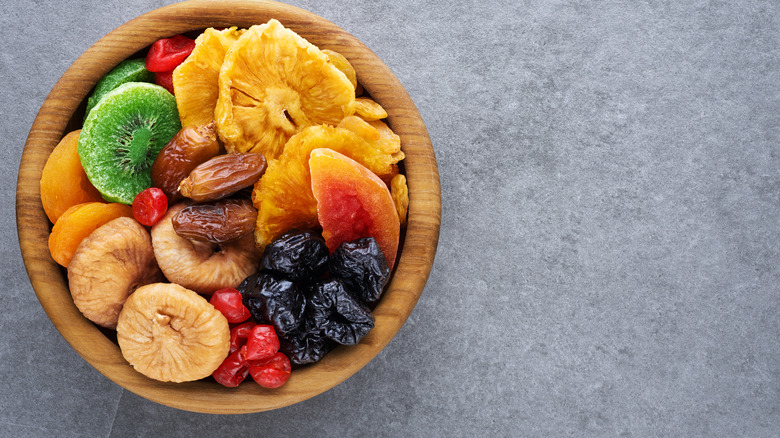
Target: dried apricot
x: 63, y: 181
x: 78, y: 222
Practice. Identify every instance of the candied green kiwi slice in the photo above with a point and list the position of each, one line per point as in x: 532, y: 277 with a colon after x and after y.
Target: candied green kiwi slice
x: 131, y: 70
x: 122, y: 136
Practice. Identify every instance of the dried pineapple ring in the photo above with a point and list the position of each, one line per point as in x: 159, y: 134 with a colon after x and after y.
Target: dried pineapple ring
x: 283, y: 196
x: 369, y: 110
x: 196, y: 80
x: 272, y: 84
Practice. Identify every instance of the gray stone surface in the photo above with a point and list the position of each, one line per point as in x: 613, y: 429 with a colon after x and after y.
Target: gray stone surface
x: 610, y: 242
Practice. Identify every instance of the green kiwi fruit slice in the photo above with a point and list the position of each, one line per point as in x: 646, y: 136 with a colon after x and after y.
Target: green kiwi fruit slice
x: 122, y: 136
x: 131, y: 70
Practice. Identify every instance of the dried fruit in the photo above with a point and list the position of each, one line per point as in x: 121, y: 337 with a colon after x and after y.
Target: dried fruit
x: 169, y: 333
x: 63, y: 181
x: 216, y: 222
x: 307, y: 346
x: 228, y: 301
x: 273, y: 84
x: 196, y: 80
x: 352, y: 202
x: 122, y: 136
x: 362, y: 267
x: 272, y: 372
x: 191, y: 146
x: 108, y: 266
x: 150, y: 206
x: 274, y: 300
x: 201, y: 266
x: 262, y: 343
x: 232, y: 371
x: 77, y: 223
x: 343, y: 65
x: 131, y: 70
x: 167, y: 53
x: 222, y: 176
x: 239, y: 334
x: 297, y: 256
x: 283, y: 196
x: 338, y: 314
x: 368, y: 109
x: 400, y: 193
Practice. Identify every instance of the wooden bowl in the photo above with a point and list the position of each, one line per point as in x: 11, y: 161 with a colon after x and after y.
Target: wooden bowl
x: 60, y: 113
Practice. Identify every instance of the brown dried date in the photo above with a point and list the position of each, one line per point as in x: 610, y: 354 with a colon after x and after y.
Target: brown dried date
x: 222, y: 176
x: 216, y: 222
x: 191, y: 146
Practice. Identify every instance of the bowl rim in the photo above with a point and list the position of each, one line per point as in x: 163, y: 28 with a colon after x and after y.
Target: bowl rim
x: 50, y: 282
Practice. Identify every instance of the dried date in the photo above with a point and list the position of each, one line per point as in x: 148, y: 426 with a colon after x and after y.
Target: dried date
x: 187, y: 149
x: 223, y: 176
x: 216, y: 222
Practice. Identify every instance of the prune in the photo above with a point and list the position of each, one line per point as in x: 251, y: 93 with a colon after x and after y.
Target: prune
x: 340, y: 316
x: 273, y: 300
x: 308, y: 346
x: 361, y: 265
x: 297, y: 256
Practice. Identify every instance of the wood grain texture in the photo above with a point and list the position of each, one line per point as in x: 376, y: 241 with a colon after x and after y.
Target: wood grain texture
x: 60, y: 113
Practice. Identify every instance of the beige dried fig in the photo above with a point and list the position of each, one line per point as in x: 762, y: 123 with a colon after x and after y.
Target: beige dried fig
x: 108, y: 266
x: 202, y: 266
x: 172, y: 334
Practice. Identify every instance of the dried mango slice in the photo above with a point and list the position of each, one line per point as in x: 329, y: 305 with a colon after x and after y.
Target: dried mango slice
x: 196, y: 80
x: 283, y: 196
x: 272, y: 84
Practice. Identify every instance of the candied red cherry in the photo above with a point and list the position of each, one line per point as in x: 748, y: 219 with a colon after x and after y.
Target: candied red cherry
x: 262, y: 343
x: 150, y: 206
x: 232, y: 371
x: 229, y: 302
x: 239, y: 335
x: 165, y: 80
x: 271, y: 373
x: 167, y: 53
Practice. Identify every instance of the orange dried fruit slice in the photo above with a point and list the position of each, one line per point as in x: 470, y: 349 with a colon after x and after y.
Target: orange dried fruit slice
x: 368, y: 109
x: 78, y: 222
x: 342, y: 64
x: 273, y: 84
x: 283, y: 196
x: 352, y: 202
x: 63, y: 181
x: 196, y: 80
x: 400, y: 193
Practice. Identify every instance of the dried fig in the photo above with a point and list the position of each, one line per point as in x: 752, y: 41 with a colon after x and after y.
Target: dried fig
x: 172, y: 334
x: 202, y: 266
x: 108, y: 266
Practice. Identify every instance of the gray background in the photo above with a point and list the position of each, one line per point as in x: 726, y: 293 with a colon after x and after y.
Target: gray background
x: 608, y: 258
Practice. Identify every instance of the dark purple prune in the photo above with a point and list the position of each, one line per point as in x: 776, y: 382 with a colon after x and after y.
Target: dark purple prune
x: 308, y: 346
x: 273, y: 300
x: 362, y: 266
x: 341, y: 317
x: 297, y: 256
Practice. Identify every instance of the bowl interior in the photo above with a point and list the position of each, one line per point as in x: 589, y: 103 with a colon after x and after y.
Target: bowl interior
x: 62, y: 111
